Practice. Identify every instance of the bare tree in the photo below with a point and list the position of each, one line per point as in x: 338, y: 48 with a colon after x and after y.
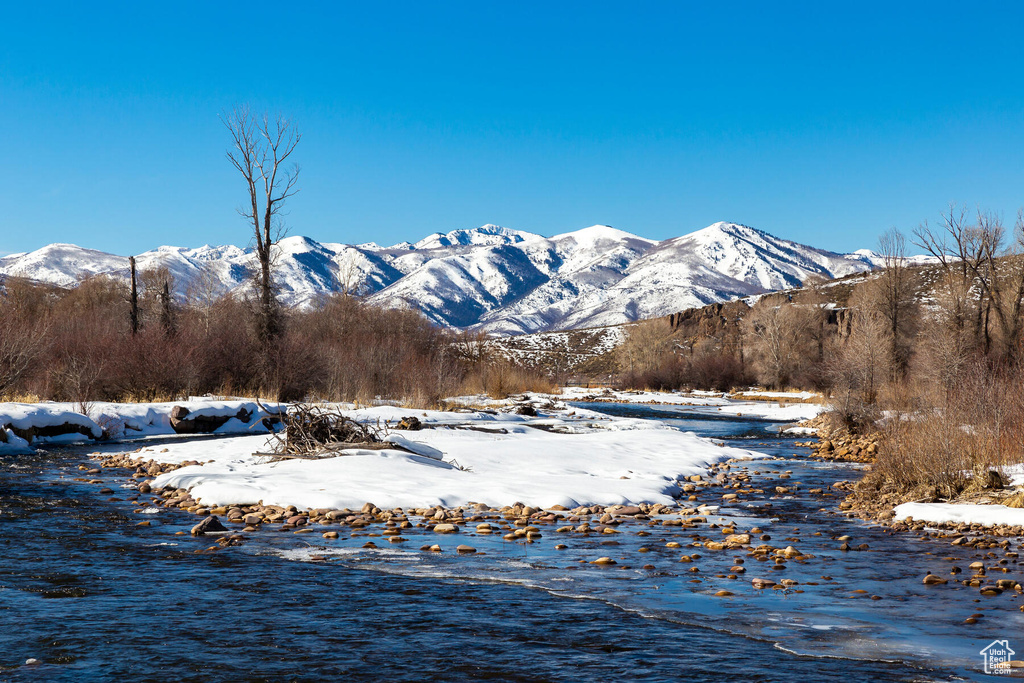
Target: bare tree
x: 892, y: 298
x: 260, y: 152
x: 645, y: 346
x: 859, y: 369
x: 955, y: 244
x: 1000, y: 277
x: 779, y: 337
x: 349, y: 279
x: 204, y: 290
x: 984, y: 283
x: 157, y: 285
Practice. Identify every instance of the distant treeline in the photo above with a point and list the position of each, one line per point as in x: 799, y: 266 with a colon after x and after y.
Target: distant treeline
x: 78, y: 344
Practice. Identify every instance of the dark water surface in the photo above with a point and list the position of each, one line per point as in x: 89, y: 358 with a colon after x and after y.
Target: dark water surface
x: 95, y: 597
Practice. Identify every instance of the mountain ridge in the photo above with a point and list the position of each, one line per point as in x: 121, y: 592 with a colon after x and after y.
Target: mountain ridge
x: 492, y: 278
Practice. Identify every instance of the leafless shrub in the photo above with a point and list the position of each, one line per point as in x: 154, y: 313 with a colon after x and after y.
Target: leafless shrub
x: 22, y: 342
x: 952, y: 441
x: 499, y: 378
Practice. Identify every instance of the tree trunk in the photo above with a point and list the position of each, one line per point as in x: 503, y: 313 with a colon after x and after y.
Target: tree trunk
x: 134, y: 314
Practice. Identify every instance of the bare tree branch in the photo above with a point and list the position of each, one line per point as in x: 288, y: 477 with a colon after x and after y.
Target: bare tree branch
x: 260, y: 151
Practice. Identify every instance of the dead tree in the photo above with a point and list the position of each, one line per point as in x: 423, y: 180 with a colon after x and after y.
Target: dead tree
x: 260, y: 150
x: 134, y: 300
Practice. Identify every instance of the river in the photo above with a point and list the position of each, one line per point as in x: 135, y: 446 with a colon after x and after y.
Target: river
x: 92, y: 595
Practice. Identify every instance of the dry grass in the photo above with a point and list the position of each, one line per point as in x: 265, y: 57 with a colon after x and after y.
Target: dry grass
x: 18, y: 397
x: 953, y: 442
x: 500, y: 379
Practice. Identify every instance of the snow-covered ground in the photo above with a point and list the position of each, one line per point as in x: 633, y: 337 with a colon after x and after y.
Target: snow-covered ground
x: 987, y: 515
x: 1014, y: 474
x: 578, y: 457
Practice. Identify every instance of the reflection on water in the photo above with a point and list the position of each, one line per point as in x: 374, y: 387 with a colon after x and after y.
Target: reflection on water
x: 95, y: 596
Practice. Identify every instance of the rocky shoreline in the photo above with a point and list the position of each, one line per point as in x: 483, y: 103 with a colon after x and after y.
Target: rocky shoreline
x: 872, y: 501
x: 981, y: 559
x: 517, y: 523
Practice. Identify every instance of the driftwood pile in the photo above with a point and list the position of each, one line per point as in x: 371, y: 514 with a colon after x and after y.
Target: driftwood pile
x: 316, y: 431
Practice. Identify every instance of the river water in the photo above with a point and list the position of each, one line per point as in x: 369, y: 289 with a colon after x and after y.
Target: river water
x: 94, y: 596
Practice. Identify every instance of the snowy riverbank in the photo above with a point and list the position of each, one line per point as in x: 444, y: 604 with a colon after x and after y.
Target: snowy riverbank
x: 775, y: 406
x: 567, y: 458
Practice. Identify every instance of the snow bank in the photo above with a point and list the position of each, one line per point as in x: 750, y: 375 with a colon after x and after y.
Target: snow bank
x: 24, y: 424
x: 987, y: 515
x: 12, y: 444
x: 707, y: 402
x: 26, y: 416
x: 801, y: 431
x: 615, y: 462
x: 39, y: 423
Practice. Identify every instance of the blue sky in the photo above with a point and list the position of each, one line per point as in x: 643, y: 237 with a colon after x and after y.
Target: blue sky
x: 818, y: 122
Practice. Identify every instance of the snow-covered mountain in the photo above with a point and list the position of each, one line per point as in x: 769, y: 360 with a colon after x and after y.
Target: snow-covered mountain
x: 492, y: 278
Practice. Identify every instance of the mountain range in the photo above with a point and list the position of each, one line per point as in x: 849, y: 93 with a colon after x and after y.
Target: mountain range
x: 491, y: 278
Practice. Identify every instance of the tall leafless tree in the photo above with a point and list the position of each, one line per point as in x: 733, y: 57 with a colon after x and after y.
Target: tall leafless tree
x: 957, y: 247
x: 894, y: 298
x: 260, y: 152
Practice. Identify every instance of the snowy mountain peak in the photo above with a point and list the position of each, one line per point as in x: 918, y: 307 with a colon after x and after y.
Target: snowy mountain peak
x: 596, y: 234
x: 483, y: 236
x: 493, y: 278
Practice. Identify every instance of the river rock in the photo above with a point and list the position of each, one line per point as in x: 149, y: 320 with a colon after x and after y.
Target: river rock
x: 209, y: 525
x: 736, y: 540
x: 932, y: 580
x: 445, y: 529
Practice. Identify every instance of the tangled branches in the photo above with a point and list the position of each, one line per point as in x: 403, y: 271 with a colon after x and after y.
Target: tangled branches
x: 316, y: 430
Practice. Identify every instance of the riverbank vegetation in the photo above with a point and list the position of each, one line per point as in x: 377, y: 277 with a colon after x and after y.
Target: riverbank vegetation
x: 926, y: 357
x: 78, y: 345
